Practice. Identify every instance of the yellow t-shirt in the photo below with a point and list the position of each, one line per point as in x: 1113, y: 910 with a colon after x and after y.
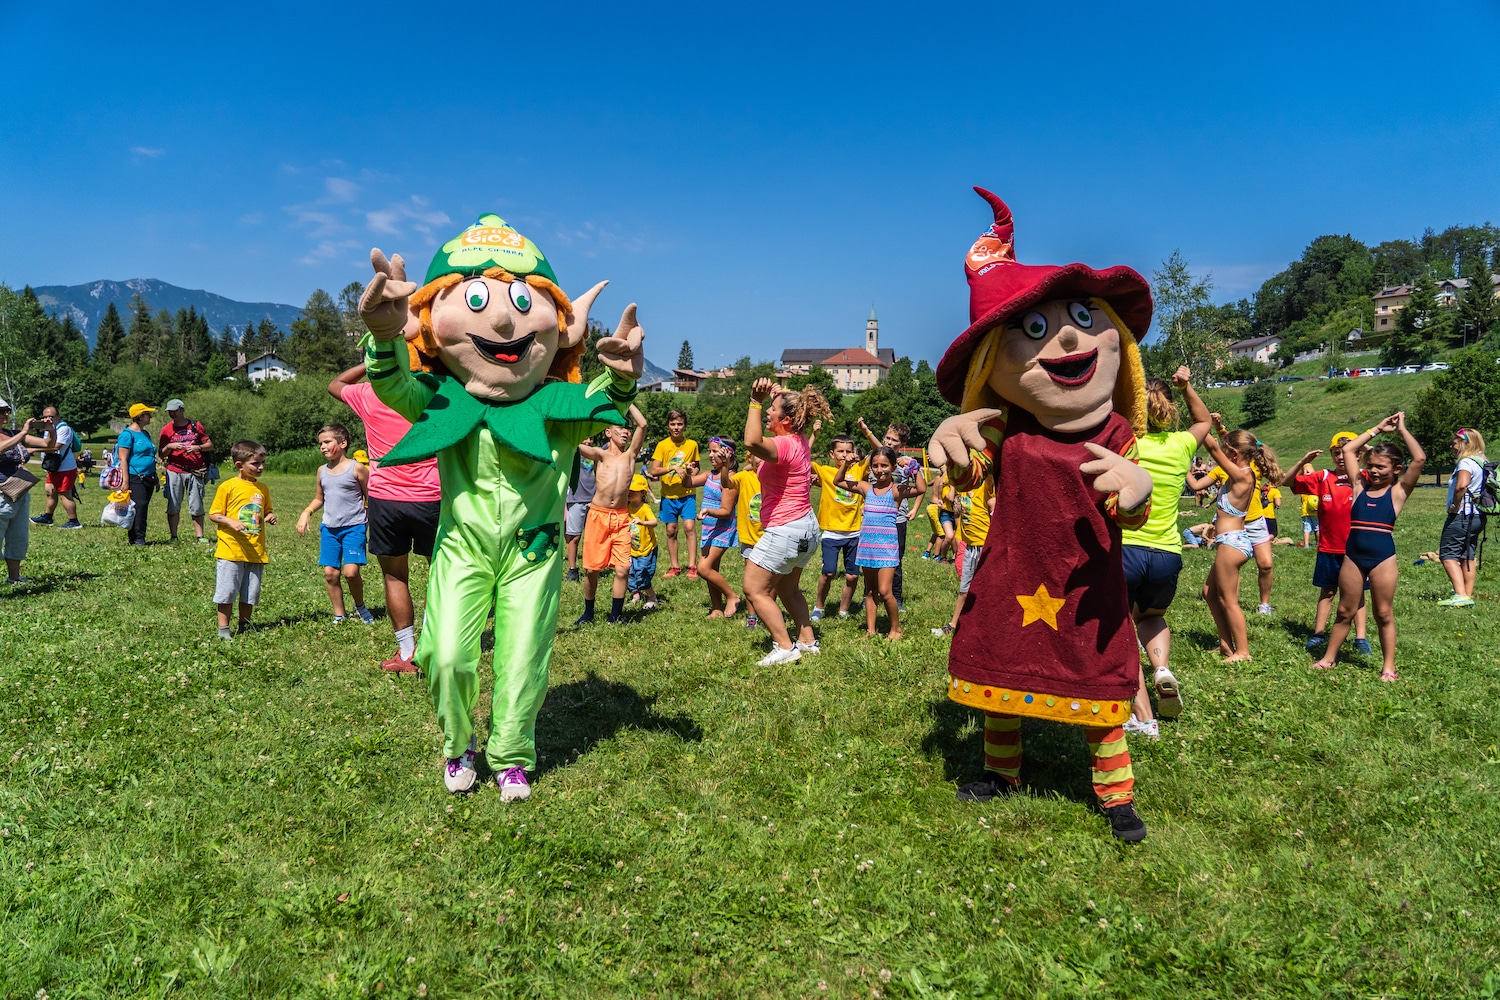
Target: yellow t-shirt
x: 248, y: 503
x: 974, y: 513
x: 1272, y: 495
x: 1257, y: 509
x: 747, y: 507
x: 642, y: 537
x: 675, y: 456
x: 839, y: 509
x: 1309, y: 505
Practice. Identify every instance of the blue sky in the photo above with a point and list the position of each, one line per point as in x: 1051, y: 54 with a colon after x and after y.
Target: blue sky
x: 754, y: 176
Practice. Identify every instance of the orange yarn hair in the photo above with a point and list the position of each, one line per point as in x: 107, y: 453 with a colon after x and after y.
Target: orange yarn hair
x: 565, y: 366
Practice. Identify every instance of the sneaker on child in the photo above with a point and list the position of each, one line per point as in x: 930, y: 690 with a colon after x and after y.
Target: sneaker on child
x: 1151, y: 730
x: 513, y: 785
x: 1125, y: 824
x: 777, y: 655
x: 461, y: 774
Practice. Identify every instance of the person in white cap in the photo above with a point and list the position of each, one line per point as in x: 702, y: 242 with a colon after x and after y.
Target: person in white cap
x: 185, y: 445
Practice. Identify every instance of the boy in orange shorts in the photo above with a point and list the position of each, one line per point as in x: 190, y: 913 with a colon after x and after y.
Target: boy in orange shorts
x: 606, y: 533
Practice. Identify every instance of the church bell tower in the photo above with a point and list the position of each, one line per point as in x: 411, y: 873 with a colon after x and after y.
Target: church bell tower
x: 872, y: 334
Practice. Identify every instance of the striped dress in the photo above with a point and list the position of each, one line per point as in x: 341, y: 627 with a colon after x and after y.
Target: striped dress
x: 717, y: 532
x: 878, y: 547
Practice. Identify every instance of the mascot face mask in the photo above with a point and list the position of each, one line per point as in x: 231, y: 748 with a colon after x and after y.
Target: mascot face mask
x: 497, y: 337
x: 492, y: 315
x: 1060, y: 360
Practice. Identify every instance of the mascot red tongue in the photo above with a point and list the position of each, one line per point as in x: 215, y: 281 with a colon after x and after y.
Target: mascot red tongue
x: 1049, y: 383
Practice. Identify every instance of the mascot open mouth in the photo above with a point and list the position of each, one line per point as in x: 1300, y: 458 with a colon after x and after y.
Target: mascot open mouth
x: 508, y: 353
x: 1075, y: 369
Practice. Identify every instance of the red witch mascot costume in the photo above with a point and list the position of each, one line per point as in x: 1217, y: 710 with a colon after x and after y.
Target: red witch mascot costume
x: 1051, y: 394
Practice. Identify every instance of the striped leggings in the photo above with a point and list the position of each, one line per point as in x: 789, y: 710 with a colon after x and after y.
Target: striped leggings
x: 1114, y: 781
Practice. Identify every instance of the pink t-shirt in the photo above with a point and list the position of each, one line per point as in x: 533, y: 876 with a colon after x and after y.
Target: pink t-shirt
x: 786, y: 484
x: 384, y: 427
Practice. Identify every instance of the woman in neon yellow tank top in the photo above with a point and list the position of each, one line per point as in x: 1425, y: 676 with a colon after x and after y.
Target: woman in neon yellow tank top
x: 1153, y: 552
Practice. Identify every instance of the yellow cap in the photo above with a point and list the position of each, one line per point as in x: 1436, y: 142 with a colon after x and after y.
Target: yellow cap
x: 1341, y: 437
x: 136, y: 409
x: 361, y: 456
x: 638, y: 484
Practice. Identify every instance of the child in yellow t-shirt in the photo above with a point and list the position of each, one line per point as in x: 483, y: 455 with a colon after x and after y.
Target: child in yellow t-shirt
x: 241, y: 509
x: 747, y: 515
x: 1309, y: 514
x: 675, y: 455
x: 643, y: 524
x: 839, y: 518
x: 973, y: 508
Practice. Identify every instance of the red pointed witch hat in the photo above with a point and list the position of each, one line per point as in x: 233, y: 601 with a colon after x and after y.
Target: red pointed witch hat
x: 1000, y: 287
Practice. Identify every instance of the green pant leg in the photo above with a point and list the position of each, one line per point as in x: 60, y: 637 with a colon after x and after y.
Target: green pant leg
x: 460, y: 586
x: 526, y: 601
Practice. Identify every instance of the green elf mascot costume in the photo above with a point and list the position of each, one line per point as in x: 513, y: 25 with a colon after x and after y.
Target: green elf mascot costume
x: 500, y: 404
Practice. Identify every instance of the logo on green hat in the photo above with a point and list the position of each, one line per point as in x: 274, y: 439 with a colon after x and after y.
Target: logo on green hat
x: 490, y: 242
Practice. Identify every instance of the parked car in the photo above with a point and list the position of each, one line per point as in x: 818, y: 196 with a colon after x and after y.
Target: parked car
x: 1385, y: 371
x: 1436, y: 366
x: 1216, y: 385
x: 1408, y: 369
x: 1292, y: 378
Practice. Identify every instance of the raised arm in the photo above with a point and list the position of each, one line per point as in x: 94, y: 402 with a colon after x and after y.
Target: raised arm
x: 637, y: 436
x: 842, y: 481
x: 1197, y: 409
x: 1289, y: 481
x: 864, y: 429
x: 6, y: 444
x: 755, y: 441
x: 344, y: 379
x: 1418, y: 457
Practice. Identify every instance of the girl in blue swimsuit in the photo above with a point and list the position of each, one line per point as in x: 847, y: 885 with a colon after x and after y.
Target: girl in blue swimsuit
x: 1370, y: 553
x: 1238, y: 455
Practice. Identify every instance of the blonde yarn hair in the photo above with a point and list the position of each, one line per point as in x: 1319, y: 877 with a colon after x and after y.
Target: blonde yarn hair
x: 1130, y: 383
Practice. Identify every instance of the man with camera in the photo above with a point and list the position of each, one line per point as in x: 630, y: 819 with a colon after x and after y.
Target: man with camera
x: 61, y: 465
x: 185, y: 446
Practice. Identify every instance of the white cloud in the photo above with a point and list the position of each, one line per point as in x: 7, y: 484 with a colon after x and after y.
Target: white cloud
x: 393, y: 220
x: 150, y: 152
x: 340, y: 190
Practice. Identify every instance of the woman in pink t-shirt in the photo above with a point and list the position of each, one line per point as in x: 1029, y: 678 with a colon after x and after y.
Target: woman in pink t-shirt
x: 774, y: 566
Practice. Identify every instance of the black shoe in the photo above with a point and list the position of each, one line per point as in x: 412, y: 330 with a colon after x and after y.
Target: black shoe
x: 585, y: 619
x: 1125, y: 824
x: 985, y: 788
x: 572, y: 576
x: 42, y: 519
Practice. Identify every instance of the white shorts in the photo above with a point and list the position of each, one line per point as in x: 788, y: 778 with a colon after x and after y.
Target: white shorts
x: 971, y: 563
x: 788, y: 547
x: 1310, y: 525
x: 574, y: 518
x: 1257, y: 532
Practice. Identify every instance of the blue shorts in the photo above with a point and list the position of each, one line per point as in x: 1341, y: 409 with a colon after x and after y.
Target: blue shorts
x: 675, y: 509
x: 1150, y: 576
x: 642, y: 569
x: 1326, y: 571
x: 946, y: 517
x: 341, y: 546
x: 831, y: 549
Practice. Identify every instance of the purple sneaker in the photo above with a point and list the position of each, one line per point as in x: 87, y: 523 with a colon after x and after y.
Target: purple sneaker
x: 461, y: 774
x: 513, y: 784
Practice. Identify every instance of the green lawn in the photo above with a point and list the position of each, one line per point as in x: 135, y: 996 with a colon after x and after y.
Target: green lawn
x: 266, y: 817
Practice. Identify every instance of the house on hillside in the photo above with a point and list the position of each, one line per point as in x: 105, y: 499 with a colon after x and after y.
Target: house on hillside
x: 1388, y: 302
x: 867, y: 365
x: 269, y: 365
x: 1260, y: 349
x: 1449, y: 290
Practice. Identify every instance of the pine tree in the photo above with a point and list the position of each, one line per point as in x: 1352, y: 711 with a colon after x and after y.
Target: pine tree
x: 317, y: 341
x: 268, y: 337
x: 109, y: 341
x: 1477, y: 306
x: 685, y: 356
x: 142, y: 331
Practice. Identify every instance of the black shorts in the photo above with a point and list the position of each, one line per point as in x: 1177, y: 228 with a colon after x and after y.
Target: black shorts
x: 1150, y: 577
x: 401, y: 526
x: 1271, y: 526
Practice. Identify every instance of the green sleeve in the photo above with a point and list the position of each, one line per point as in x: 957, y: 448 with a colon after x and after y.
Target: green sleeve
x: 621, y: 390
x: 392, y: 380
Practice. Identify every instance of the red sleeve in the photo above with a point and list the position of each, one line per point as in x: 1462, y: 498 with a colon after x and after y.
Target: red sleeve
x: 982, y: 463
x: 1308, y: 483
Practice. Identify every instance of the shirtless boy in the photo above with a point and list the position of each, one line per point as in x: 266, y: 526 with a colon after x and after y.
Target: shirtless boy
x: 606, y: 533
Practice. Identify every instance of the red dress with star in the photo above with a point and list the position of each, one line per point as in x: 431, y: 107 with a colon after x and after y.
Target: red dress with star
x: 1046, y: 628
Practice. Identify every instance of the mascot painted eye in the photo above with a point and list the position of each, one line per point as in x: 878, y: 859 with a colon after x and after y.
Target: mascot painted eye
x: 1081, y: 314
x: 477, y: 295
x: 520, y: 296
x: 1035, y: 325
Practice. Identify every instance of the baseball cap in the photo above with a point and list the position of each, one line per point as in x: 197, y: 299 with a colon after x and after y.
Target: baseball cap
x: 1341, y: 437
x: 174, y: 404
x: 136, y: 409
x: 4, y: 405
x: 638, y: 484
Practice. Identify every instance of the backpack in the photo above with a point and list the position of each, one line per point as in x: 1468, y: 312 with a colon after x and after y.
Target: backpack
x: 1487, y: 500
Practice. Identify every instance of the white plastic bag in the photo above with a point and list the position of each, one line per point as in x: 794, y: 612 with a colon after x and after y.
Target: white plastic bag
x: 114, y: 517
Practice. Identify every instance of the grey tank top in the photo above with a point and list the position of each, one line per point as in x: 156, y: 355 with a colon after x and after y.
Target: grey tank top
x: 343, y: 504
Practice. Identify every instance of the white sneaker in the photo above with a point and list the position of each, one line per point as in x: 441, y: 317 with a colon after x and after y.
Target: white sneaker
x: 461, y: 774
x: 1150, y: 730
x: 1168, y: 694
x: 817, y: 614
x: 809, y: 647
x: 1264, y: 609
x: 649, y: 606
x: 778, y: 655
x: 513, y: 785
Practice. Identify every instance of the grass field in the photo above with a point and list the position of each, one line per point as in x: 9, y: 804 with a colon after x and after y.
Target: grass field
x: 266, y: 817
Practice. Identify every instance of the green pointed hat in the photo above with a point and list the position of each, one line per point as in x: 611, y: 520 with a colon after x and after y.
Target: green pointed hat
x: 490, y: 242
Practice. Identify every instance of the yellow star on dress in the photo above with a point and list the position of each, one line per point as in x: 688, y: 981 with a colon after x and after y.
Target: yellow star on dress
x: 1040, y: 607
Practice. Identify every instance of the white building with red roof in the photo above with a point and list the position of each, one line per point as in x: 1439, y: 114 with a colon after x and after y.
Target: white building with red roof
x: 854, y: 369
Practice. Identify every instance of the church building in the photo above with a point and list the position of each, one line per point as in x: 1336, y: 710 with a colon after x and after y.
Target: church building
x: 854, y: 369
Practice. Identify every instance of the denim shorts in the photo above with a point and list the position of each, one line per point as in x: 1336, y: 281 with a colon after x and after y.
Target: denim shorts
x: 1150, y: 576
x: 642, y: 569
x: 788, y: 547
